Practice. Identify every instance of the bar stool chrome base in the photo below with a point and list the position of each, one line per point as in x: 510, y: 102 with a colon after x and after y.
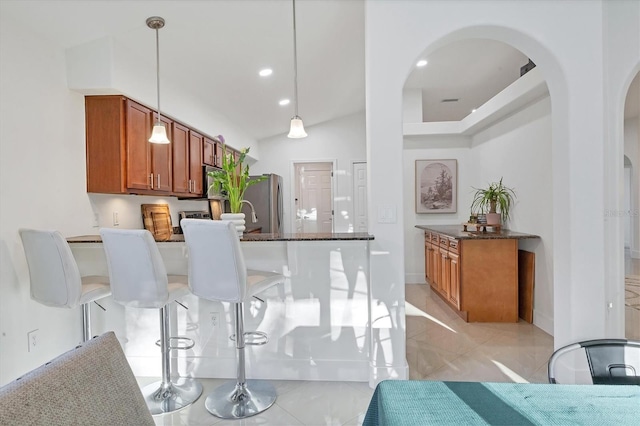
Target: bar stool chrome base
x: 173, y: 396
x: 235, y: 401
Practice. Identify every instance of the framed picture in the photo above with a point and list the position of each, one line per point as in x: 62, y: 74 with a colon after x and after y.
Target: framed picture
x: 436, y: 186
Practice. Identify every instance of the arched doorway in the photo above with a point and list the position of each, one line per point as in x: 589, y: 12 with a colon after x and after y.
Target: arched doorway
x: 512, y: 142
x: 629, y: 214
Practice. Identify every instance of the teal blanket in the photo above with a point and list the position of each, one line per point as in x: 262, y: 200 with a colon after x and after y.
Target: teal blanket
x: 397, y: 402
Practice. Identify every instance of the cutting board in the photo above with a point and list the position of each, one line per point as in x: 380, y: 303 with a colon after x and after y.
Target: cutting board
x: 157, y: 220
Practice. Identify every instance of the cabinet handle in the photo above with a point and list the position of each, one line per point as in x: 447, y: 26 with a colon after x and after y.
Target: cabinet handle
x: 151, y: 179
x: 158, y: 180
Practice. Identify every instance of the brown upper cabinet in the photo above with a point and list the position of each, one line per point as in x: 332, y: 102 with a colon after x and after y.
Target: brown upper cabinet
x: 209, y: 150
x: 161, y: 163
x: 120, y: 159
x: 181, y: 180
x: 196, y: 141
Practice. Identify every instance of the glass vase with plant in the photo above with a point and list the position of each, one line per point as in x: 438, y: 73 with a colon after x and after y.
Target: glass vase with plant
x: 233, y: 179
x: 495, y: 196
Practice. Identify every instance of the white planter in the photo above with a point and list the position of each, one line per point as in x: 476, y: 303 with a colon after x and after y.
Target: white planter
x: 237, y: 219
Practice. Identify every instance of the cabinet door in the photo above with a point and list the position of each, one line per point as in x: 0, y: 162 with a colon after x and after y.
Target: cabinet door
x: 138, y: 131
x: 236, y: 156
x: 435, y: 266
x: 195, y: 162
x: 218, y: 155
x: 445, y: 273
x: 161, y: 160
x: 427, y: 259
x: 454, y: 279
x: 180, y: 144
x: 209, y: 152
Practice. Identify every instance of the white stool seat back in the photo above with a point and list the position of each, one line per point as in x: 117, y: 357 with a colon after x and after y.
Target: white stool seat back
x: 136, y: 269
x: 53, y: 272
x: 216, y: 265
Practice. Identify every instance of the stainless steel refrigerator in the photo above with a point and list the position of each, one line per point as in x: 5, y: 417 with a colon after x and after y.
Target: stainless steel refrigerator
x: 266, y: 197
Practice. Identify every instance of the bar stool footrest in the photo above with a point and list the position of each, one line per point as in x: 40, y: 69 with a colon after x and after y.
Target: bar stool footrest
x: 253, y: 338
x: 182, y: 344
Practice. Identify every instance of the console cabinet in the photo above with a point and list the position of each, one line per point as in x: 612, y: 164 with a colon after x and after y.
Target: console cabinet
x: 478, y: 278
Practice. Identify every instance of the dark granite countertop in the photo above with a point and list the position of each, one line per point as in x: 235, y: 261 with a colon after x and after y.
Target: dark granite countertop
x: 457, y: 232
x: 178, y: 238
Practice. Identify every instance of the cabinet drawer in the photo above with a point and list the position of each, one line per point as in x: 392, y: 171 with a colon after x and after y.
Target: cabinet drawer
x: 454, y: 246
x: 444, y: 242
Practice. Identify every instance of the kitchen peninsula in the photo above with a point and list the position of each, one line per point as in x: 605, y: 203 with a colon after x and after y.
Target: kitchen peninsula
x: 475, y: 273
x: 318, y: 321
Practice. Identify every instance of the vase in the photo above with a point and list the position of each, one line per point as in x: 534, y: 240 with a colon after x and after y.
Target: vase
x: 237, y: 219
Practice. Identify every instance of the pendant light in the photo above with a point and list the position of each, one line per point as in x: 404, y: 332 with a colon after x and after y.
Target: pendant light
x: 297, y: 128
x: 159, y: 133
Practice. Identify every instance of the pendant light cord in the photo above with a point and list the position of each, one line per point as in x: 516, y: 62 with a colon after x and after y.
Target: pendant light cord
x: 158, y: 73
x: 295, y: 61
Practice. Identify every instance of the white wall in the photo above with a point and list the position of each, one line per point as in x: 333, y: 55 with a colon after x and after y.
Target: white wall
x: 431, y: 148
x: 549, y: 35
x: 43, y: 185
x: 517, y: 149
x: 632, y: 151
x: 342, y: 140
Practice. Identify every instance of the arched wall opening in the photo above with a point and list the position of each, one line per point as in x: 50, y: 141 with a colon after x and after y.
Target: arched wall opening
x: 578, y: 114
x: 509, y: 137
x: 630, y: 207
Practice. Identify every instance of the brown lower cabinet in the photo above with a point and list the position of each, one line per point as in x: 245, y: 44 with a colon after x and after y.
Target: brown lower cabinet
x: 478, y: 278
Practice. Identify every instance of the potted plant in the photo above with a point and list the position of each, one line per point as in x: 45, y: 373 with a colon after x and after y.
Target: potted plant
x: 232, y: 181
x: 495, y: 196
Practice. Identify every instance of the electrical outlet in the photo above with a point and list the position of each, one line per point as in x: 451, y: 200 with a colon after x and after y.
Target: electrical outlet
x: 32, y: 339
x: 115, y: 219
x: 96, y: 220
x: 215, y: 319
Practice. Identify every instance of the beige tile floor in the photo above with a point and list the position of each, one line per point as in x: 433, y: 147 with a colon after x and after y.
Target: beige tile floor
x: 440, y: 346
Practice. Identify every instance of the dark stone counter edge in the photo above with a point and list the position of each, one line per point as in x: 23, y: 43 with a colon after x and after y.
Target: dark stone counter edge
x: 457, y: 232
x: 179, y: 238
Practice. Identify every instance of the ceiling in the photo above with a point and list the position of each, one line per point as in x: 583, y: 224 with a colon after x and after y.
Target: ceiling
x: 215, y: 48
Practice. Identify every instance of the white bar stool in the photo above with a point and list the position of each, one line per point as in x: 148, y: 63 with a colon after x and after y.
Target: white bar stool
x: 217, y: 272
x: 55, y: 278
x: 139, y: 280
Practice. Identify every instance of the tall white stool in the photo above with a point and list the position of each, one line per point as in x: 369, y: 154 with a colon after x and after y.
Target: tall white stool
x: 139, y: 280
x: 55, y: 278
x: 217, y: 272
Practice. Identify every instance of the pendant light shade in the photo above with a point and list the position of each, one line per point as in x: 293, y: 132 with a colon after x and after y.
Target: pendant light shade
x: 159, y: 133
x: 297, y: 127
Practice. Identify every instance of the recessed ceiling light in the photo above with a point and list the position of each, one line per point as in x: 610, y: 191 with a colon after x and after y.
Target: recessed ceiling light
x: 265, y: 72
x: 473, y: 110
x: 284, y: 102
x: 421, y: 63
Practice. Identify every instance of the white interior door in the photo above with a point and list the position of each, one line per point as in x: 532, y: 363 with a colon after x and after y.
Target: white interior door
x: 314, y: 197
x: 360, y: 197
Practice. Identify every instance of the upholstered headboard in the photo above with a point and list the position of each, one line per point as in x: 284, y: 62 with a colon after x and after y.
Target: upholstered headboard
x: 89, y: 385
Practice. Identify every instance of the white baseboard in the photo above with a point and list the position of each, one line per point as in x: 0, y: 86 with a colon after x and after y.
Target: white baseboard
x: 544, y: 322
x: 414, y: 279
